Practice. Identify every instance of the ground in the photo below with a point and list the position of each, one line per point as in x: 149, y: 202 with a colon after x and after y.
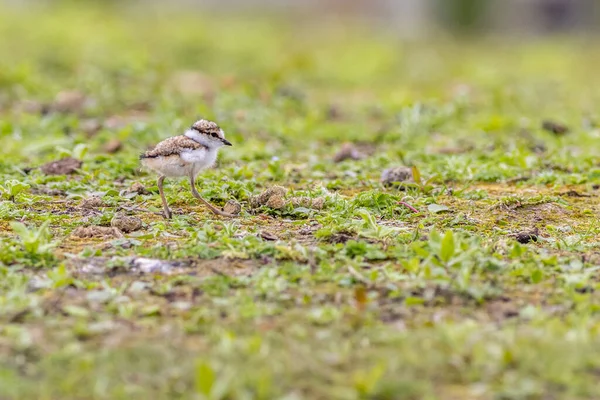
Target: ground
x: 476, y: 279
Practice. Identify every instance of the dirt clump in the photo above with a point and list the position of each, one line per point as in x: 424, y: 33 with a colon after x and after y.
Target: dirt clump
x: 69, y: 101
x: 274, y: 197
x: 334, y: 113
x: 500, y: 310
x: 397, y: 176
x: 138, y: 188
x: 103, y: 232
x: 232, y: 207
x: 555, y: 127
x: 90, y: 126
x: 264, y: 197
x: 527, y: 236
x: 92, y: 202
x: 340, y: 237
x: 113, y: 146
x: 318, y: 203
x: 307, y: 202
x: 574, y: 193
x: 64, y: 166
x: 126, y: 223
x: 268, y: 236
x: 276, y: 202
x: 348, y: 151
x: 538, y: 148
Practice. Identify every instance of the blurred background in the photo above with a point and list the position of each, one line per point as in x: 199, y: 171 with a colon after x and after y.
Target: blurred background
x: 159, y: 61
x: 418, y: 17
x: 406, y: 17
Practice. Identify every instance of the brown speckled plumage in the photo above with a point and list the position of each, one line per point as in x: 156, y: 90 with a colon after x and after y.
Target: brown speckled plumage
x: 208, y: 128
x: 172, y: 146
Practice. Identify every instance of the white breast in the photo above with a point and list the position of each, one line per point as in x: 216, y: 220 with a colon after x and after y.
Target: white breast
x: 201, y: 158
x: 172, y: 166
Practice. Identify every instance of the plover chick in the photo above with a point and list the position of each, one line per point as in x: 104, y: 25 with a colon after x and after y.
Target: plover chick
x: 185, y: 156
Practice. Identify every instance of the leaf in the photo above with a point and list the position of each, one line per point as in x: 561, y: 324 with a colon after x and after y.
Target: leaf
x: 448, y: 247
x: 413, y: 301
x: 42, y: 232
x: 431, y: 180
x: 76, y: 311
x: 420, y: 251
x: 434, y: 236
x: 360, y: 296
x: 366, y: 216
x: 437, y: 208
x: 205, y: 378
x: 366, y: 381
x: 20, y: 229
x: 150, y: 310
x: 301, y: 210
x: 537, y: 276
x: 60, y: 276
x: 416, y: 175
x: 14, y: 187
x: 79, y: 151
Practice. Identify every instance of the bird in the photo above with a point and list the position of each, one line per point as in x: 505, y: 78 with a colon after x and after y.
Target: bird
x: 185, y: 156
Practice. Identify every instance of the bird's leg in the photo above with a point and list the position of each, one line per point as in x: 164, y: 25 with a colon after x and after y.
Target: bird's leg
x: 160, y: 181
x: 206, y: 203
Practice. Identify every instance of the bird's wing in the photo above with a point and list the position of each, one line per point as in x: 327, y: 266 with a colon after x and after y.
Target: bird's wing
x: 171, y: 146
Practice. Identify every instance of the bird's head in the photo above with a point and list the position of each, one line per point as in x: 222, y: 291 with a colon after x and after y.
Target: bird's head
x: 208, y: 133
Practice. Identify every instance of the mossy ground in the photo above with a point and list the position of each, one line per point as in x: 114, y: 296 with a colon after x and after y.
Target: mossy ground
x: 363, y: 298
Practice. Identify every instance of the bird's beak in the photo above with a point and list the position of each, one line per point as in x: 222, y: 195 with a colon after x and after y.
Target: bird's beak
x: 226, y: 142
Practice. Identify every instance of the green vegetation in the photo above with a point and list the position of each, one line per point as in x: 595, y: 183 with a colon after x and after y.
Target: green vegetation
x: 358, y: 298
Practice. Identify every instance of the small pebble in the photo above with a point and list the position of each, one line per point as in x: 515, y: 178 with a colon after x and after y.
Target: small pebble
x: 113, y: 146
x: 276, y: 202
x: 555, y: 127
x: 527, y: 236
x: 232, y: 207
x: 69, y: 101
x: 348, y: 152
x: 92, y: 202
x: 90, y: 126
x: 307, y: 202
x: 63, y: 166
x: 126, y: 223
x: 268, y: 236
x: 278, y: 191
x: 397, y: 175
x: 137, y: 188
x: 274, y: 197
x: 263, y: 198
x: 96, y: 232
